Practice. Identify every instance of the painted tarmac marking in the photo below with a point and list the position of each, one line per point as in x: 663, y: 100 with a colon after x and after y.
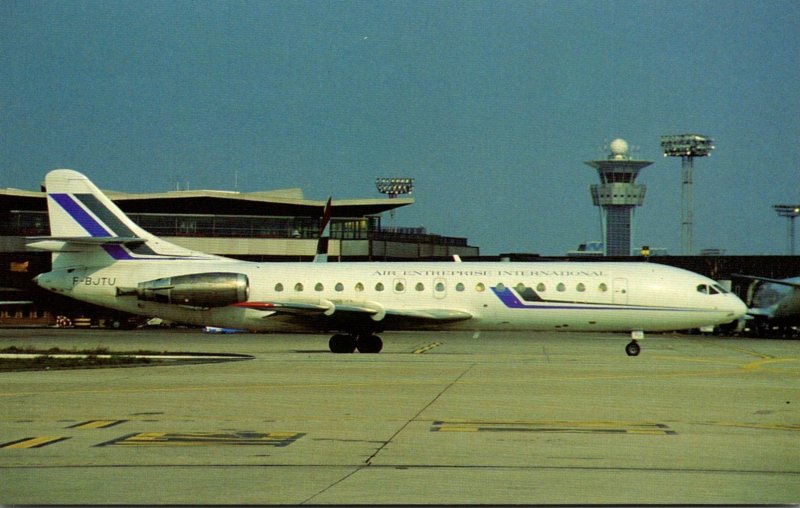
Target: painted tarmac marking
x: 97, y: 424
x: 33, y: 442
x: 276, y: 439
x: 427, y: 348
x: 647, y: 428
x: 760, y: 426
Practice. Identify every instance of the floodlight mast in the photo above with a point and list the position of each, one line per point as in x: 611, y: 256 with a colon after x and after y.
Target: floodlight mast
x: 790, y: 212
x: 394, y: 187
x: 687, y: 147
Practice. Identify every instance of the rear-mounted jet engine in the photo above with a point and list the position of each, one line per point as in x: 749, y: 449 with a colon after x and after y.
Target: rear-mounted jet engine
x: 215, y: 289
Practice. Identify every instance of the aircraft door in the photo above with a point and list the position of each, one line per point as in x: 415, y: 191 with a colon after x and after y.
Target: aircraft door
x: 620, y: 291
x: 439, y: 288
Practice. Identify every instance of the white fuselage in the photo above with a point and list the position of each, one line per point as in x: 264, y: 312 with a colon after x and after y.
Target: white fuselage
x: 593, y: 296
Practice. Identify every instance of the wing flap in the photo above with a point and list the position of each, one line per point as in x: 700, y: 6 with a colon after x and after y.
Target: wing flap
x: 433, y: 315
x: 296, y: 308
x: 357, y: 311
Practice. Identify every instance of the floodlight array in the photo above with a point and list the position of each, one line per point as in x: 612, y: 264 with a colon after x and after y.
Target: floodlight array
x: 687, y: 145
x: 395, y: 186
x: 787, y: 210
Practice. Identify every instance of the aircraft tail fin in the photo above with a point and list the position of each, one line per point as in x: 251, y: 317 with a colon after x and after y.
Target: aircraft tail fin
x: 324, y: 233
x: 86, y: 227
x: 78, y: 209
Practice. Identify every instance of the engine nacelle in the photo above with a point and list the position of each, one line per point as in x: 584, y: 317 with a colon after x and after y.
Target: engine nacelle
x: 214, y: 289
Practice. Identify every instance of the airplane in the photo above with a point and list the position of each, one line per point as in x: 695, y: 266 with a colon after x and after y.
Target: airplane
x: 102, y: 257
x: 774, y: 304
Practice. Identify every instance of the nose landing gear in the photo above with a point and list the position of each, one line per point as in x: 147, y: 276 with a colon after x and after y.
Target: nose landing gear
x: 633, y: 348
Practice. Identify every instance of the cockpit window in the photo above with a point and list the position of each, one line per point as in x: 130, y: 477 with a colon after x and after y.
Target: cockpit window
x: 714, y: 289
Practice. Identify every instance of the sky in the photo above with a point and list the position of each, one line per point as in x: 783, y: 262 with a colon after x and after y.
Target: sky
x: 491, y: 106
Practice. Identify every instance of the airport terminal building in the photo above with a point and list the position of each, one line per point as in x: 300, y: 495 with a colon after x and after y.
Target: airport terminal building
x: 278, y: 225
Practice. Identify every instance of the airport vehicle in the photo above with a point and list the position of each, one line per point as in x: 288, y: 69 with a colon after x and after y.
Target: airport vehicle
x: 101, y: 256
x: 217, y: 329
x: 774, y: 305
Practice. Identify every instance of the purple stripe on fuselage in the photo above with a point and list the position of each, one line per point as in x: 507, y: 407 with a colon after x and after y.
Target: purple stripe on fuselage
x: 80, y: 216
x: 510, y: 300
x: 116, y: 251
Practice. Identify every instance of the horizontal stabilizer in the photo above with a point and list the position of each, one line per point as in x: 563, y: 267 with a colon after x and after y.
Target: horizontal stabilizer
x: 78, y: 243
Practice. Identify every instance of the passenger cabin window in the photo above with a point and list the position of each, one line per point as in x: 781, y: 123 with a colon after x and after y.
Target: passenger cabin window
x: 319, y: 287
x: 298, y: 287
x: 603, y: 287
x: 339, y: 287
x: 379, y: 286
x: 581, y: 287
x: 278, y: 287
x: 480, y: 287
x: 541, y: 287
x: 399, y: 287
x: 420, y: 286
x: 359, y: 287
x: 460, y: 287
x: 561, y: 287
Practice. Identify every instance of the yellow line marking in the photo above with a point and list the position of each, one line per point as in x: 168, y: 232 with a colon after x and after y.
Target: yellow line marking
x: 96, y: 424
x: 764, y: 426
x: 552, y: 426
x: 33, y: 442
x: 748, y: 351
x: 766, y: 361
x: 427, y: 348
x: 279, y: 439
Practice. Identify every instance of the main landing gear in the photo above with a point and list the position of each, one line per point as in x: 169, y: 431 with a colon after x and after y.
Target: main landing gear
x: 633, y: 348
x: 341, y: 343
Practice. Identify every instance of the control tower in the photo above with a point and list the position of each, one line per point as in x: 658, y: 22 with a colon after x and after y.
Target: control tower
x: 617, y: 194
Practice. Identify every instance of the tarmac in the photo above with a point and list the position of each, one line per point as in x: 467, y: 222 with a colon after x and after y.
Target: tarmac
x: 436, y: 418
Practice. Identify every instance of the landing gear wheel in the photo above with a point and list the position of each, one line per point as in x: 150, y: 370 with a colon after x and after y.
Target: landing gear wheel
x: 632, y: 349
x: 369, y: 344
x: 342, y: 344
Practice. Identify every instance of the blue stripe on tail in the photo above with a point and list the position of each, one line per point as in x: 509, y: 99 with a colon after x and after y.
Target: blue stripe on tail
x: 80, y: 216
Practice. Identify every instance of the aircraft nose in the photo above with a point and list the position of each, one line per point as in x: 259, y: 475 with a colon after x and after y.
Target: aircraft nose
x: 738, y: 307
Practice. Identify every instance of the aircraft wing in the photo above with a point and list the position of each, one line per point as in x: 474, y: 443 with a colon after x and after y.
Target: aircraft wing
x: 757, y: 311
x: 359, y: 312
x: 785, y: 282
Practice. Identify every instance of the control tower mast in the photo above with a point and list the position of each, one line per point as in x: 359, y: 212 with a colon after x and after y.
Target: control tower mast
x: 617, y: 195
x: 687, y: 147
